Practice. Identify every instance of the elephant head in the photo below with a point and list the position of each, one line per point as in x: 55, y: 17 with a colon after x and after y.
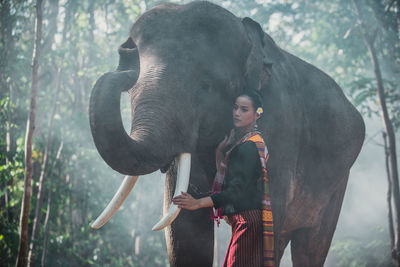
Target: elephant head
x: 183, y: 65
x: 183, y: 71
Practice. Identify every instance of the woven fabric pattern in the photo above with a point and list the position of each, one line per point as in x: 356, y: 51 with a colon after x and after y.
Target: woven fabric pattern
x: 246, y: 246
x: 267, y: 218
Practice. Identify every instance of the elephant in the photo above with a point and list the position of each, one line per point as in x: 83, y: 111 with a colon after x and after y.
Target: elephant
x: 183, y: 66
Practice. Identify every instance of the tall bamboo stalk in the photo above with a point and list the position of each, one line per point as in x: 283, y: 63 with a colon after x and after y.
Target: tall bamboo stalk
x: 30, y: 128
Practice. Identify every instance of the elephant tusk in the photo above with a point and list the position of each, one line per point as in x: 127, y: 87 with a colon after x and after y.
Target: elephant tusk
x: 182, y: 183
x: 123, y: 191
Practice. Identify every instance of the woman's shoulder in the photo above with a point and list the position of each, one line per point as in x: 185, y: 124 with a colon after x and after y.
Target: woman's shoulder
x: 245, y: 148
x: 243, y: 155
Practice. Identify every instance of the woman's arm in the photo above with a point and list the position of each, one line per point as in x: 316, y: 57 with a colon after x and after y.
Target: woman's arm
x: 243, y: 163
x: 186, y: 201
x: 240, y: 169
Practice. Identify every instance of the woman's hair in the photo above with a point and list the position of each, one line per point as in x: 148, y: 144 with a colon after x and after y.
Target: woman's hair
x: 254, y: 96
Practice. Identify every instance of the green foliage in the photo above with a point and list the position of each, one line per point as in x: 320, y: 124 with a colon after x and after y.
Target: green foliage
x: 84, y: 46
x: 11, y: 174
x: 328, y: 35
x: 364, y: 93
x: 371, y: 250
x: 8, y: 241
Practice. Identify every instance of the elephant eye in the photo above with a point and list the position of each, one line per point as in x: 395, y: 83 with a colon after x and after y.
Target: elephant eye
x: 206, y: 86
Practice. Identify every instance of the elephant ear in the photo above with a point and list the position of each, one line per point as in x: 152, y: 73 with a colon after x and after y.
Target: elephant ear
x: 264, y: 53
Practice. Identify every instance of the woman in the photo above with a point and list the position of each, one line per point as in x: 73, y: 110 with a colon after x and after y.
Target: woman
x: 240, y: 189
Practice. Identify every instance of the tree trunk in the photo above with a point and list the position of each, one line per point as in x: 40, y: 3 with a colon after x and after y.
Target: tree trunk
x: 392, y: 151
x: 30, y: 128
x: 389, y: 192
x: 43, y: 176
x: 46, y: 220
x: 45, y: 227
x: 369, y: 42
x: 48, y: 42
x: 398, y: 15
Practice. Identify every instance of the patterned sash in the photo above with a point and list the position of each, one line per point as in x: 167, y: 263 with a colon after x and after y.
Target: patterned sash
x: 268, y: 226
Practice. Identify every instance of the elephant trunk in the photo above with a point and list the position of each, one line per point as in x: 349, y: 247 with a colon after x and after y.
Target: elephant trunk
x: 125, y: 154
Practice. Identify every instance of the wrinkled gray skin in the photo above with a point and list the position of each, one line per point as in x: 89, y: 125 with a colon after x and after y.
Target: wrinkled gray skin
x: 183, y: 66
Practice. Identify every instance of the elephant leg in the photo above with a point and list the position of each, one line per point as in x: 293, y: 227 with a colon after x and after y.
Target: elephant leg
x: 310, y: 246
x: 190, y: 238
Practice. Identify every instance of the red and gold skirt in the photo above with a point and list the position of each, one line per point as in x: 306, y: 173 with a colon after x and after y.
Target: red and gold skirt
x: 246, y: 245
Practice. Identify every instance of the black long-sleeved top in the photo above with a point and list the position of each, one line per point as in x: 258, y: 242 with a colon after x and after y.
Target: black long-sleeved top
x: 242, y: 188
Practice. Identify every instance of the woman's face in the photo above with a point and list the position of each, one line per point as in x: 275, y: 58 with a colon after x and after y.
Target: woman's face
x: 244, y: 114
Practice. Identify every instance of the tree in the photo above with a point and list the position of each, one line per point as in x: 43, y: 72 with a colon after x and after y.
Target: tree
x: 30, y: 128
x: 82, y: 42
x: 369, y: 40
x: 42, y: 186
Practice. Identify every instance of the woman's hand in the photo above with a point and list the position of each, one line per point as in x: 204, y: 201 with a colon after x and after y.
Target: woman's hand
x: 219, y: 153
x: 186, y: 201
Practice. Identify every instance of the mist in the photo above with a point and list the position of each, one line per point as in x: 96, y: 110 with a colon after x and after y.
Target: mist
x: 80, y: 43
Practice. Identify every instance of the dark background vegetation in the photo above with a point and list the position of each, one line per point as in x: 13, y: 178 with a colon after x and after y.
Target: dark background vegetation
x: 79, y: 43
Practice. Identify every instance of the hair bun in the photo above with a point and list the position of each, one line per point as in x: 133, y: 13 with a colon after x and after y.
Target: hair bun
x: 255, y: 97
